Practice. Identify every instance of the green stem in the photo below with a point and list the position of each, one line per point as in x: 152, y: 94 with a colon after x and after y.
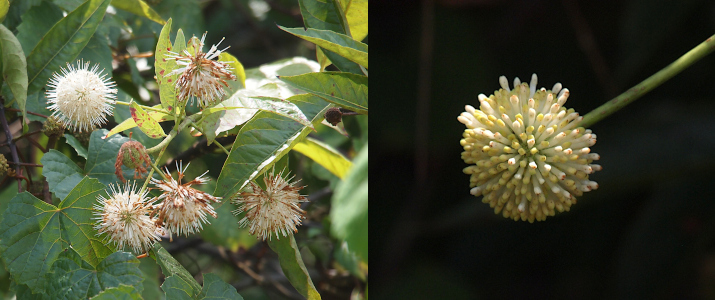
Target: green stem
x: 174, y: 132
x: 214, y: 141
x: 650, y: 83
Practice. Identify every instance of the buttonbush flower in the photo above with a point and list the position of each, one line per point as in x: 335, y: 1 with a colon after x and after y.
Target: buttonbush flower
x: 201, y: 76
x: 125, y: 218
x: 81, y: 97
x: 528, y: 157
x: 184, y: 208
x: 274, y: 210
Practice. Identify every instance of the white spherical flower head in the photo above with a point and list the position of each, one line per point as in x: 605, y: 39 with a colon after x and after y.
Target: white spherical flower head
x: 125, y: 218
x: 81, y: 97
x: 201, y: 76
x: 184, y: 208
x: 527, y: 154
x: 274, y: 210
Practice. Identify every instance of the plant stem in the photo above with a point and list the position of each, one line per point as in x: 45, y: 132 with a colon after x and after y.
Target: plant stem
x: 143, y: 107
x: 650, y: 83
x: 214, y: 141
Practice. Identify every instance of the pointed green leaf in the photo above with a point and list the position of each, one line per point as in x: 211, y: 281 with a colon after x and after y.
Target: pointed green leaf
x: 349, y: 207
x: 215, y: 288
x: 72, y: 141
x: 30, y: 239
x: 61, y: 172
x: 262, y: 141
x: 63, y: 42
x: 139, y: 8
x: 175, y: 288
x: 339, y: 43
x: 14, y: 68
x: 122, y: 292
x: 74, y: 278
x: 76, y: 220
x: 183, y: 281
x: 344, y: 89
x: 146, y: 123
x: 325, y: 155
x: 163, y: 66
x: 293, y: 267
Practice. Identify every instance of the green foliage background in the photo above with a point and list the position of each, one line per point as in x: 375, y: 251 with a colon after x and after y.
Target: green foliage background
x: 48, y: 245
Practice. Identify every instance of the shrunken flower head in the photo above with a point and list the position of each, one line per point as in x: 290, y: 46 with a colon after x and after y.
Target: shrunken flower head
x: 184, y: 208
x: 81, y: 97
x: 124, y: 217
x: 201, y: 76
x: 528, y: 156
x: 274, y: 210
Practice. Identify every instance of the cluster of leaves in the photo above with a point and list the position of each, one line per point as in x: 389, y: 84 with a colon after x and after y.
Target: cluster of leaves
x: 48, y: 245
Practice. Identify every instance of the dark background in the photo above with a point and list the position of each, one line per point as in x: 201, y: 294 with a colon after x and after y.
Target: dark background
x: 648, y: 232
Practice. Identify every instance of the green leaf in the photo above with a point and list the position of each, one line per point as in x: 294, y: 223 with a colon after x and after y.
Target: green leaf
x: 215, y: 288
x: 4, y: 7
x: 341, y: 44
x: 61, y: 172
x: 325, y: 16
x: 182, y: 281
x: 129, y: 123
x: 97, y: 51
x: 76, y: 219
x: 63, y: 42
x: 356, y: 14
x: 344, y: 89
x: 74, y: 278
x: 163, y: 66
x: 37, y: 103
x: 14, y: 67
x: 237, y: 68
x: 349, y: 207
x: 324, y: 155
x: 293, y: 267
x: 102, y: 156
x: 30, y: 239
x: 37, y: 21
x: 262, y: 141
x: 175, y: 288
x: 122, y: 292
x: 139, y: 8
x: 146, y: 123
x: 72, y: 141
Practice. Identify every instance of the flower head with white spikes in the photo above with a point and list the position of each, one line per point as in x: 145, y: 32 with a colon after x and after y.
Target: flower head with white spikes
x: 124, y: 217
x: 273, y: 210
x: 81, y: 97
x: 201, y: 76
x: 184, y: 208
x: 527, y: 154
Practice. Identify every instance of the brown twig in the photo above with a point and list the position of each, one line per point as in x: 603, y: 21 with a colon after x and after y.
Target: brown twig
x: 29, y: 112
x: 10, y: 143
x: 26, y: 164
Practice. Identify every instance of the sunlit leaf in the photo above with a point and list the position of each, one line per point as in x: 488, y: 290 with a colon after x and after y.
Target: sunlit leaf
x: 63, y: 42
x: 145, y: 122
x: 356, y: 13
x: 293, y: 267
x: 341, y: 44
x: 344, y: 89
x: 4, y: 7
x: 163, y: 67
x: 139, y: 8
x: 325, y: 155
x: 237, y: 68
x: 262, y: 141
x: 129, y: 123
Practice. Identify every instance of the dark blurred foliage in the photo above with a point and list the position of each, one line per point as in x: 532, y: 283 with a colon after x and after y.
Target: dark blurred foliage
x: 648, y: 232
